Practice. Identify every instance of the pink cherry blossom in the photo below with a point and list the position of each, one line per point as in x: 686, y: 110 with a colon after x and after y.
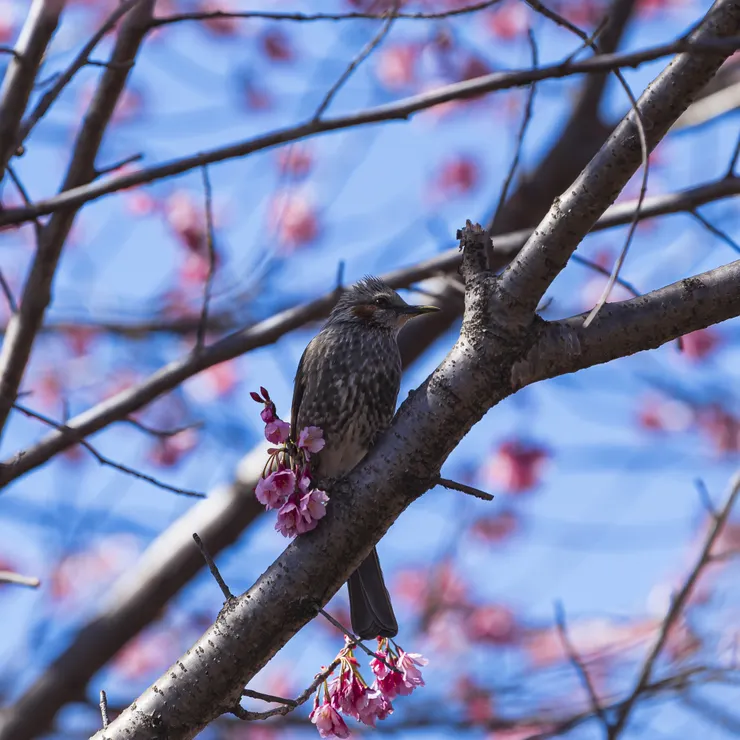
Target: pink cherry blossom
x: 409, y: 663
x: 273, y: 491
x: 277, y: 431
x: 288, y: 519
x: 328, y: 721
x: 387, y: 680
x: 346, y: 693
x: 376, y: 706
x: 268, y: 414
x: 311, y: 439
x: 313, y: 504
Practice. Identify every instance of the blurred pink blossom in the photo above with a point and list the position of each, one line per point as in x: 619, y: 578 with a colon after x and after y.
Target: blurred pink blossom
x: 517, y: 466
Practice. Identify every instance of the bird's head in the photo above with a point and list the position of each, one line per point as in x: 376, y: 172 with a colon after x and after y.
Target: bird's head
x: 374, y: 303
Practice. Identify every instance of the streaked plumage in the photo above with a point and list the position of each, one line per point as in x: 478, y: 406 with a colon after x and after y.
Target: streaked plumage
x: 347, y: 383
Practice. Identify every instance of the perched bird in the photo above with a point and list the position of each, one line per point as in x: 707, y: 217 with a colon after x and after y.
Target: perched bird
x: 347, y: 383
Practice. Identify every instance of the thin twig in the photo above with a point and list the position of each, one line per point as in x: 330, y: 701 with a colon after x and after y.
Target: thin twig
x: 561, y: 21
x: 118, y: 165
x: 8, y: 293
x: 339, y: 282
x: 522, y: 129
x: 307, y: 17
x: 726, y: 238
x: 211, y: 246
x: 109, y: 65
x: 579, y: 666
x: 463, y: 488
x: 161, y: 433
x: 8, y: 576
x: 63, y: 79
x: 734, y: 159
x: 706, y: 499
x: 269, y: 698
x: 213, y: 568
x: 676, y: 608
x: 596, y: 267
x: 102, y: 459
x: 104, y: 709
x: 356, y: 640
x: 26, y: 198
x: 358, y: 60
x: 302, y: 698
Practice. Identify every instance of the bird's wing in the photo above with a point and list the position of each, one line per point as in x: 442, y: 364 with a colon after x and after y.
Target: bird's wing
x: 299, y: 388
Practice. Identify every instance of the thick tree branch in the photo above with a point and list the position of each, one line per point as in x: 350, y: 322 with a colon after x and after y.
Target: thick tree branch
x: 401, y: 110
x: 41, y: 22
x: 631, y: 326
x: 24, y: 325
x: 548, y: 250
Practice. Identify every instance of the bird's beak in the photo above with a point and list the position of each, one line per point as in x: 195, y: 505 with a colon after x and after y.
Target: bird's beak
x: 419, y: 310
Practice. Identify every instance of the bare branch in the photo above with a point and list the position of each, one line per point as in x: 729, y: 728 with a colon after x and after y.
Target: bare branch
x: 734, y: 158
x: 614, y: 274
x: 228, y: 596
x: 677, y: 606
x: 118, y: 165
x: 308, y: 17
x: 266, y: 332
x: 20, y: 187
x: 724, y: 236
x: 706, y: 499
x: 302, y: 698
x: 464, y: 488
x: 354, y: 640
x: 580, y: 667
x: 106, y: 461
x: 41, y: 22
x: 603, y: 271
x: 368, y: 49
x: 269, y: 698
x: 528, y: 107
x: 75, y: 196
x: 25, y: 324
x: 8, y: 576
x: 65, y: 77
x: 162, y: 433
x: 211, y: 246
x: 8, y: 293
x: 626, y: 327
x: 558, y: 235
x: 104, y: 709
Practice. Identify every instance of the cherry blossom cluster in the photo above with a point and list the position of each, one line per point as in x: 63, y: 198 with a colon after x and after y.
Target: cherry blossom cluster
x: 396, y: 674
x: 286, y: 483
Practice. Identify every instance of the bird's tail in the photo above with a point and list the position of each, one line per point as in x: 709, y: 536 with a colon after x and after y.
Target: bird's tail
x: 370, y: 605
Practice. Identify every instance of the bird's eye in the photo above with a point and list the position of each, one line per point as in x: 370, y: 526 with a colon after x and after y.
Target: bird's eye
x: 382, y: 300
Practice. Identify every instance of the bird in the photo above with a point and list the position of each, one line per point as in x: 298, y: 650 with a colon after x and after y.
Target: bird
x: 347, y: 384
